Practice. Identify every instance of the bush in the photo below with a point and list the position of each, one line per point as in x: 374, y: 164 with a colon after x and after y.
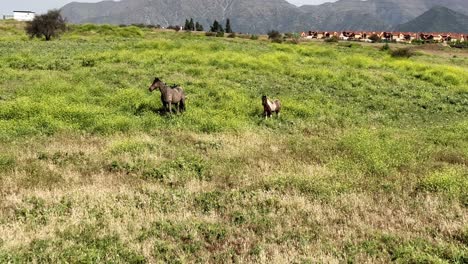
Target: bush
x: 48, y: 25
x: 402, y: 53
x: 210, y: 34
x: 295, y: 38
x: 232, y: 35
x: 459, y: 45
x: 274, y: 35
x: 277, y: 40
x: 417, y: 41
x: 375, y: 38
x: 254, y: 37
x: 88, y: 62
x: 220, y: 34
x: 175, y: 28
x: 333, y: 39
x: 385, y: 47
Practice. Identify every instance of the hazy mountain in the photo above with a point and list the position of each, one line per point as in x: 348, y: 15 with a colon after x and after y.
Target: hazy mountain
x: 245, y: 15
x: 437, y: 19
x: 260, y: 16
x: 374, y: 14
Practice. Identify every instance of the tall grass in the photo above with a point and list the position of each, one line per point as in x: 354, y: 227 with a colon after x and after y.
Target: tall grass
x: 367, y: 163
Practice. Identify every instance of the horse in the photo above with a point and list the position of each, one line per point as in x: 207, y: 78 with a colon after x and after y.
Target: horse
x: 169, y: 95
x: 269, y: 107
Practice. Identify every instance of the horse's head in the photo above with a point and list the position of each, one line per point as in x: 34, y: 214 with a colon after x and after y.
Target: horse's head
x: 157, y: 83
x: 264, y: 99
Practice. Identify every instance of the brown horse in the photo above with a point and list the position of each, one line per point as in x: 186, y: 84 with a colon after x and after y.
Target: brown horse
x: 169, y: 95
x: 269, y: 107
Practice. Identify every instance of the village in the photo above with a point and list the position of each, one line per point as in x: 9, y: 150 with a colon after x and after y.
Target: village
x: 401, y: 37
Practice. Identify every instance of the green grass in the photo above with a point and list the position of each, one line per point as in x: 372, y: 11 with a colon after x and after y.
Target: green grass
x: 368, y: 162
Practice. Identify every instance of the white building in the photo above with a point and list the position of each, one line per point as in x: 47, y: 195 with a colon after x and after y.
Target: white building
x: 23, y: 15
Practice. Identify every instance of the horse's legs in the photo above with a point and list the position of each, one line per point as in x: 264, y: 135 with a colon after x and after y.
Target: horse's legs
x: 182, y: 105
x: 170, y: 108
x: 178, y: 108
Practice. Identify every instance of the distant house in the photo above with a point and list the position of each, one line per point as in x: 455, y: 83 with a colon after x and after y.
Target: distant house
x: 347, y: 35
x: 23, y: 15
x: 457, y: 37
x: 426, y: 37
x: 387, y: 36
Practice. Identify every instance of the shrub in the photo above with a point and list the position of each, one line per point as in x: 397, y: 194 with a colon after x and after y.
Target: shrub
x: 254, y: 37
x: 459, y: 45
x: 175, y: 28
x: 232, y: 35
x: 278, y: 40
x: 88, y: 62
x: 48, y: 25
x: 220, y: 34
x: 274, y: 34
x: 333, y: 39
x: 295, y: 38
x: 402, y: 53
x: 385, y: 47
x: 210, y: 34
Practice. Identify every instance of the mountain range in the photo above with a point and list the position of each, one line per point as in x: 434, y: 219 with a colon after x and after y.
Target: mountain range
x: 259, y: 16
x: 437, y: 19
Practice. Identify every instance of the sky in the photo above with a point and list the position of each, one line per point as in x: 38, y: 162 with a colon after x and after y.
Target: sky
x: 40, y: 6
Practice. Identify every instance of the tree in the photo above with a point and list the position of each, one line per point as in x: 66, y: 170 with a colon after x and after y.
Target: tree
x: 191, y: 25
x: 216, y: 27
x: 198, y: 27
x: 228, y: 26
x: 187, y: 25
x: 48, y: 25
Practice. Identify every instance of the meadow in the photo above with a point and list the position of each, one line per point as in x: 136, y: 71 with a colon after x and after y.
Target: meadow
x: 367, y: 164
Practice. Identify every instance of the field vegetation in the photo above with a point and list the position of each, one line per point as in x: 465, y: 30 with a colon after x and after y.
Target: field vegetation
x: 368, y: 162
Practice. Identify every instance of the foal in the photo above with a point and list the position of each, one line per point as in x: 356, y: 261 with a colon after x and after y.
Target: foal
x: 269, y: 107
x: 169, y: 95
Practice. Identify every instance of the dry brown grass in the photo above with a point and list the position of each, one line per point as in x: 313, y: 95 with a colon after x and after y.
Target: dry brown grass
x: 291, y: 209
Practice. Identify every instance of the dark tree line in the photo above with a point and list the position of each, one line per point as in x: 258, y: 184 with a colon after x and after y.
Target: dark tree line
x: 190, y: 26
x: 217, y: 27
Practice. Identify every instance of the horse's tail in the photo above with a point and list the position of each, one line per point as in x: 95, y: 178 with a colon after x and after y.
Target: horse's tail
x: 182, y: 104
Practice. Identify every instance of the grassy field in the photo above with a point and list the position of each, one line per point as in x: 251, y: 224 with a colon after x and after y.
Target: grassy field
x: 368, y: 162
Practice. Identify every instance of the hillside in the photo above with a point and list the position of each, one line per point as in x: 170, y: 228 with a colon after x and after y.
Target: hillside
x: 259, y: 16
x: 246, y: 15
x: 368, y: 162
x: 377, y: 14
x: 437, y: 19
